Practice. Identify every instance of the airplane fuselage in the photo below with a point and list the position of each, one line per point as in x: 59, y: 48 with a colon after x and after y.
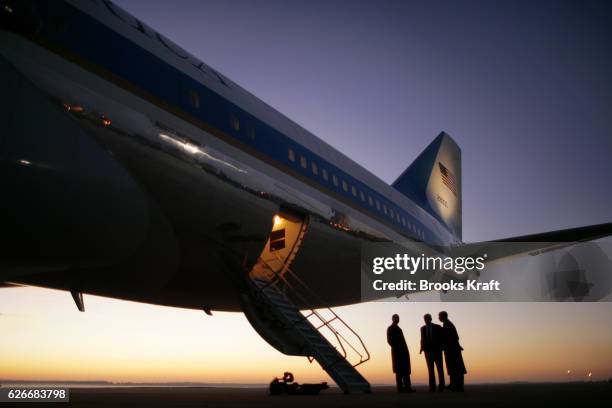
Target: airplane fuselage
x: 133, y: 170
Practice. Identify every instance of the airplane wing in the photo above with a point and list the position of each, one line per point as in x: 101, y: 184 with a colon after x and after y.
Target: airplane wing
x: 580, y: 234
x: 533, y: 244
x: 564, y: 265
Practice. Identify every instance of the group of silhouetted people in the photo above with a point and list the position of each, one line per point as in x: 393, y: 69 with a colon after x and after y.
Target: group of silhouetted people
x: 436, y: 341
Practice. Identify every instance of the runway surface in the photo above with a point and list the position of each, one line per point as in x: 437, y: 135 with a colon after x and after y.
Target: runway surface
x: 506, y: 395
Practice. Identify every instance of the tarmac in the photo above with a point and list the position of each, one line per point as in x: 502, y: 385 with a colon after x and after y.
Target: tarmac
x: 494, y: 395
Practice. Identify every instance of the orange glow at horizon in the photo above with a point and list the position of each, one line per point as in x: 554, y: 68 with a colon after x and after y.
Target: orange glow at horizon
x: 44, y: 337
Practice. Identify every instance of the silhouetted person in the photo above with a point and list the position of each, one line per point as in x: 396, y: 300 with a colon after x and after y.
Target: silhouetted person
x: 399, y: 355
x: 452, y: 353
x: 431, y: 344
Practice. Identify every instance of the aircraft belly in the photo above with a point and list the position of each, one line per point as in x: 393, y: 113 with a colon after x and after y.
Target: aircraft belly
x: 93, y: 209
x: 188, y: 218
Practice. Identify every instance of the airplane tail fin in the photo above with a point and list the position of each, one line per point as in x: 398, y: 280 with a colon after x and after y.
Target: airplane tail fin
x: 433, y: 181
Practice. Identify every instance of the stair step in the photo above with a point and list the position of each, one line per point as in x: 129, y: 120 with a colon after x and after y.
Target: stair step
x: 324, y: 347
x: 351, y: 376
x: 328, y: 349
x: 308, y: 333
x: 276, y: 297
x: 283, y: 303
x: 287, y: 306
x: 320, y: 344
x: 330, y: 358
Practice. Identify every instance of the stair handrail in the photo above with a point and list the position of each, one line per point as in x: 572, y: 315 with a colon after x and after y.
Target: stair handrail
x: 279, y: 277
x: 314, y: 312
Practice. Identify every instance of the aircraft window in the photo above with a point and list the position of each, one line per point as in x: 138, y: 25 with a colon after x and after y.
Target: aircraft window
x: 361, y: 195
x: 354, y: 191
x: 194, y: 98
x: 397, y: 217
x: 385, y: 208
x: 325, y: 175
x: 344, y: 185
x: 378, y: 205
x: 251, y: 133
x: 315, y: 169
x: 335, y: 180
x: 370, y: 200
x: 403, y: 221
x: 235, y: 123
x: 303, y: 162
x: 291, y: 155
x: 391, y: 213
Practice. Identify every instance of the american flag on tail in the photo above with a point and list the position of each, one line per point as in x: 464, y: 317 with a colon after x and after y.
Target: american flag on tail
x: 448, y: 179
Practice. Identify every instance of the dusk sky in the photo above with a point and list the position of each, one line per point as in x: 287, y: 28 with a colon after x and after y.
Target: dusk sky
x: 523, y: 87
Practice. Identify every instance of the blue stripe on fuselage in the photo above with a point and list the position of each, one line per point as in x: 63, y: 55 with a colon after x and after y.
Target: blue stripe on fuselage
x: 96, y: 43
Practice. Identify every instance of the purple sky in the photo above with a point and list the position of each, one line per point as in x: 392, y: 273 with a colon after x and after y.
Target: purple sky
x: 524, y: 87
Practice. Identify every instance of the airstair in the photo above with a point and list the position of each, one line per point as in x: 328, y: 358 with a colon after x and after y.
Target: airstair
x: 318, y: 334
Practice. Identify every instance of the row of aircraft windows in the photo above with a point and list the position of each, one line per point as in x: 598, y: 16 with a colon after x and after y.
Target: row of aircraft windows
x: 373, y: 202
x: 234, y: 122
x: 194, y: 100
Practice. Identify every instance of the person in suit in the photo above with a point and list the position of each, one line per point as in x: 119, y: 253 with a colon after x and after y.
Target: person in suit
x: 452, y: 353
x: 400, y: 356
x: 431, y: 344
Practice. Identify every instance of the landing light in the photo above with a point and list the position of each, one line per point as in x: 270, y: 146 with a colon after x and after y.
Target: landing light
x: 277, y: 220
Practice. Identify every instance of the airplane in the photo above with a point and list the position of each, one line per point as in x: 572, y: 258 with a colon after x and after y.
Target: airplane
x: 133, y: 170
